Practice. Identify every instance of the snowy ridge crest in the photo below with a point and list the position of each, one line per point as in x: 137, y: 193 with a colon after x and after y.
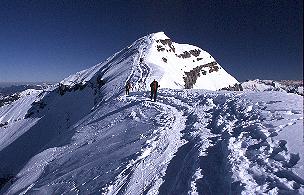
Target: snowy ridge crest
x: 156, y: 56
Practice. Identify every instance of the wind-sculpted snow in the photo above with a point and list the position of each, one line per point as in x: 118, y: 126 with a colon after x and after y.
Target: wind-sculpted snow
x: 190, y: 142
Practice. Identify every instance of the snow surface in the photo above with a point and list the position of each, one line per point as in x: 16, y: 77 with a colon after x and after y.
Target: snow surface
x: 169, y: 74
x: 189, y: 142
x: 270, y: 85
x: 96, y: 140
x: 173, y: 70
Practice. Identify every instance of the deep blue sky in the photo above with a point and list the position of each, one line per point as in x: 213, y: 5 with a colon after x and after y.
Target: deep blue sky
x: 49, y: 40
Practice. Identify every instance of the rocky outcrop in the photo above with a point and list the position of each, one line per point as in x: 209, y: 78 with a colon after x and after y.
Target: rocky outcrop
x: 165, y: 42
x: 9, y: 99
x: 191, y: 76
x: 235, y: 87
x: 188, y: 54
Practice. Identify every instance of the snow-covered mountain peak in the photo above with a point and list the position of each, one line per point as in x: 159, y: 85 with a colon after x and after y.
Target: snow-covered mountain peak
x: 84, y: 136
x: 156, y: 56
x: 158, y: 35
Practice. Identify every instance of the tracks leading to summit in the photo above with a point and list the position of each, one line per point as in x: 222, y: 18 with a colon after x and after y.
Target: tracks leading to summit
x: 140, y: 70
x: 210, y: 144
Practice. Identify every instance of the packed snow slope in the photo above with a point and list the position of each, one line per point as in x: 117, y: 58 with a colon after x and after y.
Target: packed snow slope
x: 189, y: 142
x: 84, y: 136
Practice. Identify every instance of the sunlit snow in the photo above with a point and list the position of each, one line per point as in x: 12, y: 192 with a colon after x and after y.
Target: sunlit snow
x: 89, y: 138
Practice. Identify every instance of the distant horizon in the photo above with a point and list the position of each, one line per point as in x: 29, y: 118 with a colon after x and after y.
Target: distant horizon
x: 45, y: 40
x: 27, y: 82
x: 11, y: 83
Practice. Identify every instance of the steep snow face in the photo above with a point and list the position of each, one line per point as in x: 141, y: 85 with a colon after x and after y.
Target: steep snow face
x: 8, y: 112
x: 112, y: 75
x: 34, y: 120
x: 182, y: 66
x: 13, y: 115
x: 155, y: 56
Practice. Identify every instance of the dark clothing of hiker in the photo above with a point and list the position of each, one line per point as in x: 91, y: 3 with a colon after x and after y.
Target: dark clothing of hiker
x: 128, y: 87
x: 154, y: 85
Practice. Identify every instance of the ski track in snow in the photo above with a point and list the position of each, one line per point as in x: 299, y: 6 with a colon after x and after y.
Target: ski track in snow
x: 140, y: 70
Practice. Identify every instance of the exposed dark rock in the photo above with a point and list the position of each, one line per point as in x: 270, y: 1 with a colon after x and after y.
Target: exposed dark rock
x: 184, y: 55
x: 166, y: 42
x: 9, y: 99
x: 187, y: 54
x: 160, y: 48
x: 62, y: 89
x: 3, y: 124
x: 213, y: 68
x: 28, y: 114
x: 195, y: 52
x: 164, y: 59
x: 191, y: 77
x: 235, y: 87
x: 39, y: 104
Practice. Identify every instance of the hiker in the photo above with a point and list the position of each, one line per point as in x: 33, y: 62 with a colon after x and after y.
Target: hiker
x: 128, y: 87
x: 154, y: 85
